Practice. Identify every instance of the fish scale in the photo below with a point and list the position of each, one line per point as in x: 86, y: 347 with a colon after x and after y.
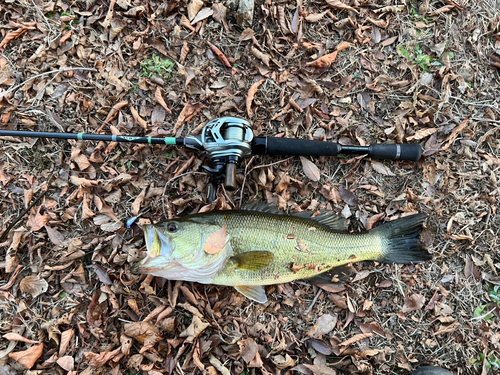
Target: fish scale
x: 253, y: 231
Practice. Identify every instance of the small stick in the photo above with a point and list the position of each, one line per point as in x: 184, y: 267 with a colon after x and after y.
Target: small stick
x: 305, y: 313
x: 20, y: 216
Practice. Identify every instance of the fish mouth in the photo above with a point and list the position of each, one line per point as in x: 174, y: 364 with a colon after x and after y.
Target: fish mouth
x: 158, y: 250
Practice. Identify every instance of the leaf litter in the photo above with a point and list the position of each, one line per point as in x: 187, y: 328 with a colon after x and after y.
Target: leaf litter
x: 347, y: 72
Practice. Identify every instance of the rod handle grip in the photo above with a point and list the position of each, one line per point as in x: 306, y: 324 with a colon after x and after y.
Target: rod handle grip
x: 407, y: 152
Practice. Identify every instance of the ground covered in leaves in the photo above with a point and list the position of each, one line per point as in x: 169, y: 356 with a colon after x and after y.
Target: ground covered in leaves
x: 352, y: 72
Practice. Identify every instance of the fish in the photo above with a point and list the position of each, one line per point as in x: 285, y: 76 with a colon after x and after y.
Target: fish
x: 260, y: 245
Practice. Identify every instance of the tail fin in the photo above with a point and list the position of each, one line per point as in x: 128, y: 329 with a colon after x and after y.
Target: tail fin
x: 402, y: 239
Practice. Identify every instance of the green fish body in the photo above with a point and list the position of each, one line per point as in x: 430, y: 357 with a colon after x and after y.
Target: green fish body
x: 260, y: 245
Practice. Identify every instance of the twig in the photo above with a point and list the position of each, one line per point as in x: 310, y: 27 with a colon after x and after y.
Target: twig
x: 2, y: 94
x: 20, y: 216
x: 305, y: 313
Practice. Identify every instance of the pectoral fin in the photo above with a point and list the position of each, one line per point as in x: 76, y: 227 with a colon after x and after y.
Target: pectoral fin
x: 253, y: 292
x: 252, y: 260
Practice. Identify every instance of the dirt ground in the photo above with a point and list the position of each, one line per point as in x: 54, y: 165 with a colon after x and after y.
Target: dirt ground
x: 356, y: 73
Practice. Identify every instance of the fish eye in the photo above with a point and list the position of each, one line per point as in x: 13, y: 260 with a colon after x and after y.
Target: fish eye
x: 172, y: 227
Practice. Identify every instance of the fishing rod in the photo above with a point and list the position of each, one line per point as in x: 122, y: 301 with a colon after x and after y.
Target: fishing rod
x: 228, y: 140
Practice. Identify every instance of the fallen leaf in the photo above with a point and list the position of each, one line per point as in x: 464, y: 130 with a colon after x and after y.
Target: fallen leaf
x: 413, y: 303
x: 218, y: 53
x: 136, y: 205
x: 141, y: 331
x: 310, y: 169
x: 337, y: 4
x: 325, y: 324
x: 28, y: 357
x: 308, y: 369
x: 356, y: 338
x: 220, y: 12
x: 33, y: 285
x: 66, y: 362
x: 251, y: 95
x: 202, y: 14
x: 193, y: 8
x: 113, y: 113
x: 188, y: 112
x: 66, y: 337
x: 38, y: 222
x: 454, y: 134
x: 138, y: 119
x: 17, y: 337
x: 160, y: 101
x: 313, y: 18
x: 422, y: 134
x: 216, y: 241
x: 348, y: 196
x: 323, y: 61
x: 382, y: 168
x: 194, y: 330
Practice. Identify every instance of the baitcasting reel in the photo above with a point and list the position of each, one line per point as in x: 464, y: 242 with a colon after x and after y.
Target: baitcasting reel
x: 226, y: 141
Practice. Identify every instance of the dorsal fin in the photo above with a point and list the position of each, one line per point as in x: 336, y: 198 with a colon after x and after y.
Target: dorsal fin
x: 262, y: 206
x: 329, y: 218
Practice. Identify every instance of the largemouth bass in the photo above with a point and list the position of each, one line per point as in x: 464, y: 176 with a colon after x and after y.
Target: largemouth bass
x: 260, y: 245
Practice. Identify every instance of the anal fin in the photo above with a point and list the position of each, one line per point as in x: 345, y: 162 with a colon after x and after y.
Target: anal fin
x: 254, y: 292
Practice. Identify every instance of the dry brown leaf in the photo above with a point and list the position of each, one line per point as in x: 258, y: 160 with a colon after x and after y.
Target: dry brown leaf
x: 313, y: 18
x: 193, y: 8
x: 141, y: 331
x: 216, y: 241
x: 38, y: 222
x: 194, y: 330
x: 389, y: 41
x: 262, y: 56
x: 249, y: 351
x: 184, y: 53
x: 337, y: 4
x: 185, y: 22
x: 13, y: 35
x: 422, y: 134
x: 33, y: 285
x: 356, y: 338
x: 17, y: 337
x: 380, y: 23
x: 83, y: 182
x: 382, y: 168
x: 443, y: 9
x: 343, y: 45
x: 188, y: 112
x: 117, y: 25
x: 454, y: 134
x: 160, y: 101
x: 79, y: 158
x: 66, y: 362
x: 310, y: 169
x: 138, y: 119
x: 412, y: 303
x: 308, y: 369
x: 66, y: 337
x: 323, y: 61
x: 282, y: 19
x: 325, y: 324
x: 251, y: 95
x: 202, y: 14
x: 99, y: 360
x: 220, y: 12
x: 113, y: 113
x: 28, y: 357
x: 218, y: 53
x: 136, y: 206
